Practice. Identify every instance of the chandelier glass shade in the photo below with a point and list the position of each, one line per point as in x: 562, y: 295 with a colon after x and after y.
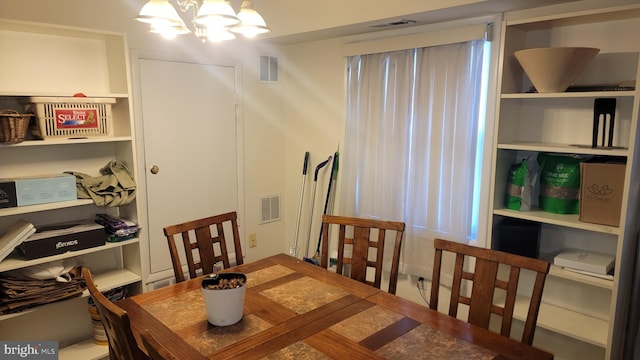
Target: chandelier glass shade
x: 252, y: 23
x: 213, y: 20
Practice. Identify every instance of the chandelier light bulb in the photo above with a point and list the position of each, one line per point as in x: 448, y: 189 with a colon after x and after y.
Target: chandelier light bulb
x: 168, y: 32
x: 219, y: 34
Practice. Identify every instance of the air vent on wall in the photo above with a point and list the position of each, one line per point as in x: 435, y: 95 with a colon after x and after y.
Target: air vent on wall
x: 394, y: 23
x: 270, y: 208
x: 268, y: 68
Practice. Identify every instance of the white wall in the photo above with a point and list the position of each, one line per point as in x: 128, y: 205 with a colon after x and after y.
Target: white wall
x: 314, y: 110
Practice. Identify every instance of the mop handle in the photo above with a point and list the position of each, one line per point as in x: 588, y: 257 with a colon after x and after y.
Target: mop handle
x: 313, y: 199
x: 304, y: 175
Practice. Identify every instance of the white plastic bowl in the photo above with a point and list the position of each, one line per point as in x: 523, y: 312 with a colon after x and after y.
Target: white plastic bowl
x: 553, y: 69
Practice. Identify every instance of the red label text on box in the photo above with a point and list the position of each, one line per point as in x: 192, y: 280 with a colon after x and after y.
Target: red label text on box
x: 74, y: 119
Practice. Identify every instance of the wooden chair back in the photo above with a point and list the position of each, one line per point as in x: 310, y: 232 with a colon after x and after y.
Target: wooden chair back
x: 122, y: 343
x: 364, y: 248
x: 485, y: 280
x: 199, y: 243
x: 155, y: 349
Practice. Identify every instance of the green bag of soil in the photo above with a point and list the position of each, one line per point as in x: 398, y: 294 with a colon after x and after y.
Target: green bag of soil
x: 559, y: 183
x: 519, y: 185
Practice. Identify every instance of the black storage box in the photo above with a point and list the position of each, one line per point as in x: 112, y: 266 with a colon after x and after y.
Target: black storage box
x: 61, y: 238
x: 517, y: 236
x: 8, y: 196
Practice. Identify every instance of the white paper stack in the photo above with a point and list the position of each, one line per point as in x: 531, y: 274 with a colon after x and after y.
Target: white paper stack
x: 583, y: 260
x: 17, y: 232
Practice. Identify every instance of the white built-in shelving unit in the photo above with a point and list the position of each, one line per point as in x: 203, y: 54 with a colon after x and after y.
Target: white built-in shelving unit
x: 50, y: 60
x: 580, y: 307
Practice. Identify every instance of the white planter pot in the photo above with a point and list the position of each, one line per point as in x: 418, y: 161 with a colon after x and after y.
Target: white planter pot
x: 224, y: 306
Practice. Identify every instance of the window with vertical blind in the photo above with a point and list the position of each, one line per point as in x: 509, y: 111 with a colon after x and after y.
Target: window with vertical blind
x: 414, y: 136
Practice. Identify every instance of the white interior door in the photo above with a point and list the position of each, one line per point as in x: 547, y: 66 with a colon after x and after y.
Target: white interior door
x: 190, y: 146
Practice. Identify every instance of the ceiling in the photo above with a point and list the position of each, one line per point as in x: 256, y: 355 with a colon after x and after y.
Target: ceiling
x: 471, y: 8
x: 291, y: 21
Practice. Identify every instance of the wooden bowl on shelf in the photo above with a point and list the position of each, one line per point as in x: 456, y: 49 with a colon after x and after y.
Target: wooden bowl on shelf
x: 553, y: 69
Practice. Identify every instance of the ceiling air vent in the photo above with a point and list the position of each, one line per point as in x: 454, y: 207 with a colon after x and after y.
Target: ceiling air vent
x: 394, y: 23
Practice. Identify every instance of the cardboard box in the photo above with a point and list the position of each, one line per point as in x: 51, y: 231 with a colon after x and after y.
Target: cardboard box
x: 8, y: 194
x: 583, y: 260
x: 601, y: 188
x: 61, y: 238
x: 45, y: 189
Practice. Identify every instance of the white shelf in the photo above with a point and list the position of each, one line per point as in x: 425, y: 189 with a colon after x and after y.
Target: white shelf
x: 113, y: 279
x: 44, y: 207
x: 85, y: 350
x: 586, y: 16
x: 52, y: 94
x: 569, y: 95
x: 567, y: 322
x: 104, y: 281
x: 559, y: 272
x: 12, y: 263
x: 89, y: 140
x: 562, y: 148
x: 557, y: 219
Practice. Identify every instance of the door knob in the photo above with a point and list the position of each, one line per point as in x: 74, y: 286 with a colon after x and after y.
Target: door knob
x: 155, y: 169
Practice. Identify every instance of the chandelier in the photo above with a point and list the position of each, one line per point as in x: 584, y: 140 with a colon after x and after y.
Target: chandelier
x: 213, y: 20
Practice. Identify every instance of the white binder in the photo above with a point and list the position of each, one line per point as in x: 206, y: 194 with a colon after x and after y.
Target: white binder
x: 17, y: 232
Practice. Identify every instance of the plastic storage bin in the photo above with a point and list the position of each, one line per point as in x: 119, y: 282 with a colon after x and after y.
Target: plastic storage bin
x: 71, y: 117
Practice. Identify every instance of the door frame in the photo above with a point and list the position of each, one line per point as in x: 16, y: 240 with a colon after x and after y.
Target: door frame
x: 142, y: 171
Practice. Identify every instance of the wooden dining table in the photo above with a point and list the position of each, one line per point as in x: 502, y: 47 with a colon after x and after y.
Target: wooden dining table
x: 296, y: 310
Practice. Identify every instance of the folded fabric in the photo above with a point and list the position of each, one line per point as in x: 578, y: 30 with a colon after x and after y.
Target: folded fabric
x: 115, y: 187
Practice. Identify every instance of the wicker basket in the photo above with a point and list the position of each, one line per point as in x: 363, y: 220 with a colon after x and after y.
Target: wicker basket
x: 13, y: 126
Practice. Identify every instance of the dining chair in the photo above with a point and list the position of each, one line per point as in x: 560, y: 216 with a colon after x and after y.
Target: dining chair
x: 201, y: 244
x: 485, y: 278
x: 155, y: 349
x: 122, y: 343
x: 359, y: 236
